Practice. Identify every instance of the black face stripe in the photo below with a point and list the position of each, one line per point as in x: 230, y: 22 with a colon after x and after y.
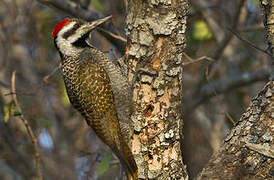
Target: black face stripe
x: 71, y: 31
x: 81, y: 42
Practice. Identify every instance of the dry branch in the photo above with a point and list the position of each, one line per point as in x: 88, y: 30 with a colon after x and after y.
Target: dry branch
x: 249, y: 43
x: 33, y: 138
x: 227, y: 83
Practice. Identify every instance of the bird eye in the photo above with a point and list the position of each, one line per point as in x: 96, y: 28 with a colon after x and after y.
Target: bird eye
x: 76, y: 26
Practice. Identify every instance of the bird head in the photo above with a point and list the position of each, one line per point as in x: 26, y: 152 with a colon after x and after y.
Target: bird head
x: 70, y: 35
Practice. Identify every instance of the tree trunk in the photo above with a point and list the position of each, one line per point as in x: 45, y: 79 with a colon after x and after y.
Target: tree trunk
x: 156, y: 38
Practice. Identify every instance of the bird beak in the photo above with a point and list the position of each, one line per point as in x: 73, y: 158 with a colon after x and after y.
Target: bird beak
x: 90, y: 26
x: 87, y: 28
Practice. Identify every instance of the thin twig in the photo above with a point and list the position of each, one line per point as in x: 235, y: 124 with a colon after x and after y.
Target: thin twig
x: 249, y: 43
x: 34, y: 140
x: 38, y: 87
x: 114, y: 36
x: 191, y: 60
x: 261, y: 149
x: 229, y: 117
x: 47, y: 77
x: 255, y: 27
x: 21, y: 93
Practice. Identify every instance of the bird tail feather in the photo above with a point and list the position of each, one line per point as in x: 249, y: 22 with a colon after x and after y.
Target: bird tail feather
x: 128, y: 162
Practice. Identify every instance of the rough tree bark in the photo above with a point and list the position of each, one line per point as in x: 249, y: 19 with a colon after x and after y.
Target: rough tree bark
x: 156, y: 38
x: 248, y: 151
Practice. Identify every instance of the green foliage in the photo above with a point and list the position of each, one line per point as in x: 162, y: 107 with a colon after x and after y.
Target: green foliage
x: 201, y: 31
x: 104, y: 164
x: 9, y: 110
x: 17, y: 113
x: 97, y: 5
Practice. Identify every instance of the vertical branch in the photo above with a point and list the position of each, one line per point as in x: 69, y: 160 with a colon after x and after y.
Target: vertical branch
x: 33, y: 138
x: 156, y: 38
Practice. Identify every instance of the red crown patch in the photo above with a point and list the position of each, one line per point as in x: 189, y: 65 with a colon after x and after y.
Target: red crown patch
x: 59, y: 26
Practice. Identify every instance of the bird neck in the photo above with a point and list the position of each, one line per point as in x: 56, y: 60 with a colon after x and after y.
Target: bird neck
x: 65, y: 48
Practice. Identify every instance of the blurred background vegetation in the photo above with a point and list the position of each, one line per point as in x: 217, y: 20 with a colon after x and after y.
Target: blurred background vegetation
x: 217, y: 88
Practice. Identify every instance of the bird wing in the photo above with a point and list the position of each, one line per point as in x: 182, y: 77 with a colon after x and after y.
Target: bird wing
x: 96, y: 102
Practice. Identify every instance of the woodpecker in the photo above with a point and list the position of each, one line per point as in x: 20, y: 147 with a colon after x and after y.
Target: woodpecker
x: 95, y: 86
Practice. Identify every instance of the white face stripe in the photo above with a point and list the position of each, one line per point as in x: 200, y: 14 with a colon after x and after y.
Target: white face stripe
x: 65, y: 45
x: 83, y: 29
x: 74, y: 37
x: 66, y: 28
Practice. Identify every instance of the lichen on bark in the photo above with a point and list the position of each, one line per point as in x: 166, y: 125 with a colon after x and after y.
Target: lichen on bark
x: 156, y: 38
x: 248, y: 152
